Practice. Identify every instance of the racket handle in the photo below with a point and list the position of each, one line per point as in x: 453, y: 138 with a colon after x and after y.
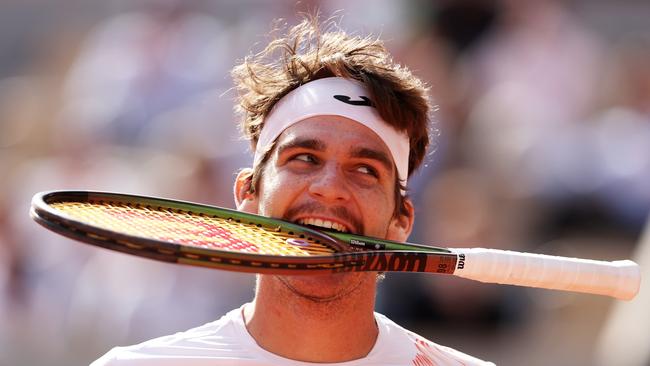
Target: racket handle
x: 619, y: 279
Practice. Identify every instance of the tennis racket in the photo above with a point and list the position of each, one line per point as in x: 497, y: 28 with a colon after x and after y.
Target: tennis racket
x: 208, y: 236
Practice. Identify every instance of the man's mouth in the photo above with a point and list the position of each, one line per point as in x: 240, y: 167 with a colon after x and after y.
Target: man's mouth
x: 323, y: 224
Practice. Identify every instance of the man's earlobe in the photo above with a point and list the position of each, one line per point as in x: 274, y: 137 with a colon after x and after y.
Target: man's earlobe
x: 401, y: 226
x: 245, y: 197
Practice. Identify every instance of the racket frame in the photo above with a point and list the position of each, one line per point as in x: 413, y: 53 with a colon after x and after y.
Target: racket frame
x: 619, y: 279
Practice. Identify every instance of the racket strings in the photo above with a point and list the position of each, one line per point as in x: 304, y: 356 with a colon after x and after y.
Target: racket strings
x: 193, y: 229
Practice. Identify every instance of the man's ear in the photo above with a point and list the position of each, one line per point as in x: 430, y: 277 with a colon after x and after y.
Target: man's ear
x: 245, y: 197
x: 400, y: 226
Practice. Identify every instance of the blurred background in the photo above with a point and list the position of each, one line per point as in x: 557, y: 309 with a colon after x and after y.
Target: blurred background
x: 543, y: 144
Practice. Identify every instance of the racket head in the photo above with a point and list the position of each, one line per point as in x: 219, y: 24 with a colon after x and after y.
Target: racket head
x: 189, y: 233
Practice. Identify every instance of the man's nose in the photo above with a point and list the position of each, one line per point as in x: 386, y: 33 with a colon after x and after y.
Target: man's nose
x: 329, y: 184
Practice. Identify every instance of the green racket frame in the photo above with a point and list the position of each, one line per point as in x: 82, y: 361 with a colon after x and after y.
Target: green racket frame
x: 351, y: 252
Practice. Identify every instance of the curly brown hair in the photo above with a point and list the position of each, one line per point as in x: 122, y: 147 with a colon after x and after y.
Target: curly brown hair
x: 309, y: 52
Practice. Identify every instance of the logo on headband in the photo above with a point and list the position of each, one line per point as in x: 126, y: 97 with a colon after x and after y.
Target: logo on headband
x: 346, y: 99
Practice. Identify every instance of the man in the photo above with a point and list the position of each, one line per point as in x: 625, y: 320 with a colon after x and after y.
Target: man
x: 337, y: 128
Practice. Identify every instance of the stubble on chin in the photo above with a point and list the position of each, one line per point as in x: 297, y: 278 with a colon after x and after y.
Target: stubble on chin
x: 326, y: 295
x: 323, y: 289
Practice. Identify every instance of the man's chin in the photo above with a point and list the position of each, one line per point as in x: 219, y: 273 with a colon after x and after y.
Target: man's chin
x: 324, y: 288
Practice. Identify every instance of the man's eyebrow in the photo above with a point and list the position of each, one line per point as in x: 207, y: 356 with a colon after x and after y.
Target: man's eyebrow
x: 305, y: 143
x: 380, y: 156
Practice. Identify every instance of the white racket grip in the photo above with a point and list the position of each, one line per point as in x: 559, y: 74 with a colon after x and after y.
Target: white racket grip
x: 619, y: 279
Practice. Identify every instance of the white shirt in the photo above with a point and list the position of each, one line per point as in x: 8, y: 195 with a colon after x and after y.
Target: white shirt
x: 227, y: 342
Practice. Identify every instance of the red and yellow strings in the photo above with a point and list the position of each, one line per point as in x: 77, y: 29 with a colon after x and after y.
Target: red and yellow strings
x: 187, y: 228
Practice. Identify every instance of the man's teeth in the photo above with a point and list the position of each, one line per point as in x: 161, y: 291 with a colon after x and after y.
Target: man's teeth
x: 323, y: 223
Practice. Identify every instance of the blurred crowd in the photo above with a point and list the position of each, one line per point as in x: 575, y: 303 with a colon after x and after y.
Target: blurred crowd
x: 541, y: 143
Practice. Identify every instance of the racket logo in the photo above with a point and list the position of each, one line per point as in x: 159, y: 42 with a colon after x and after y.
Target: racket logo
x: 360, y: 243
x: 461, y: 261
x: 382, y: 262
x: 298, y: 242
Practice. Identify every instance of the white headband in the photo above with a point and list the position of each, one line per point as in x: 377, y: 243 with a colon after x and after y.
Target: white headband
x: 333, y: 96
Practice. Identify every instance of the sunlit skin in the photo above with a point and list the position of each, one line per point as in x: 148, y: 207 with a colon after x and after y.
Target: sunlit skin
x: 332, y: 169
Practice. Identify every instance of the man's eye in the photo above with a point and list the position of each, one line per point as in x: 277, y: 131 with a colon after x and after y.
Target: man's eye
x: 367, y: 170
x: 307, y: 158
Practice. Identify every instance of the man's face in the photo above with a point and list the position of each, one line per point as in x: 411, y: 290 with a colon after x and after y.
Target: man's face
x: 335, y: 173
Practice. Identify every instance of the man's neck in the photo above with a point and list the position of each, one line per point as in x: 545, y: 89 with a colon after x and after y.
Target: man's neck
x: 313, y: 330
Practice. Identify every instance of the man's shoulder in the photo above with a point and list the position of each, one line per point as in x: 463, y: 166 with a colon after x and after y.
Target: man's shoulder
x: 422, y: 350
x: 213, y: 339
